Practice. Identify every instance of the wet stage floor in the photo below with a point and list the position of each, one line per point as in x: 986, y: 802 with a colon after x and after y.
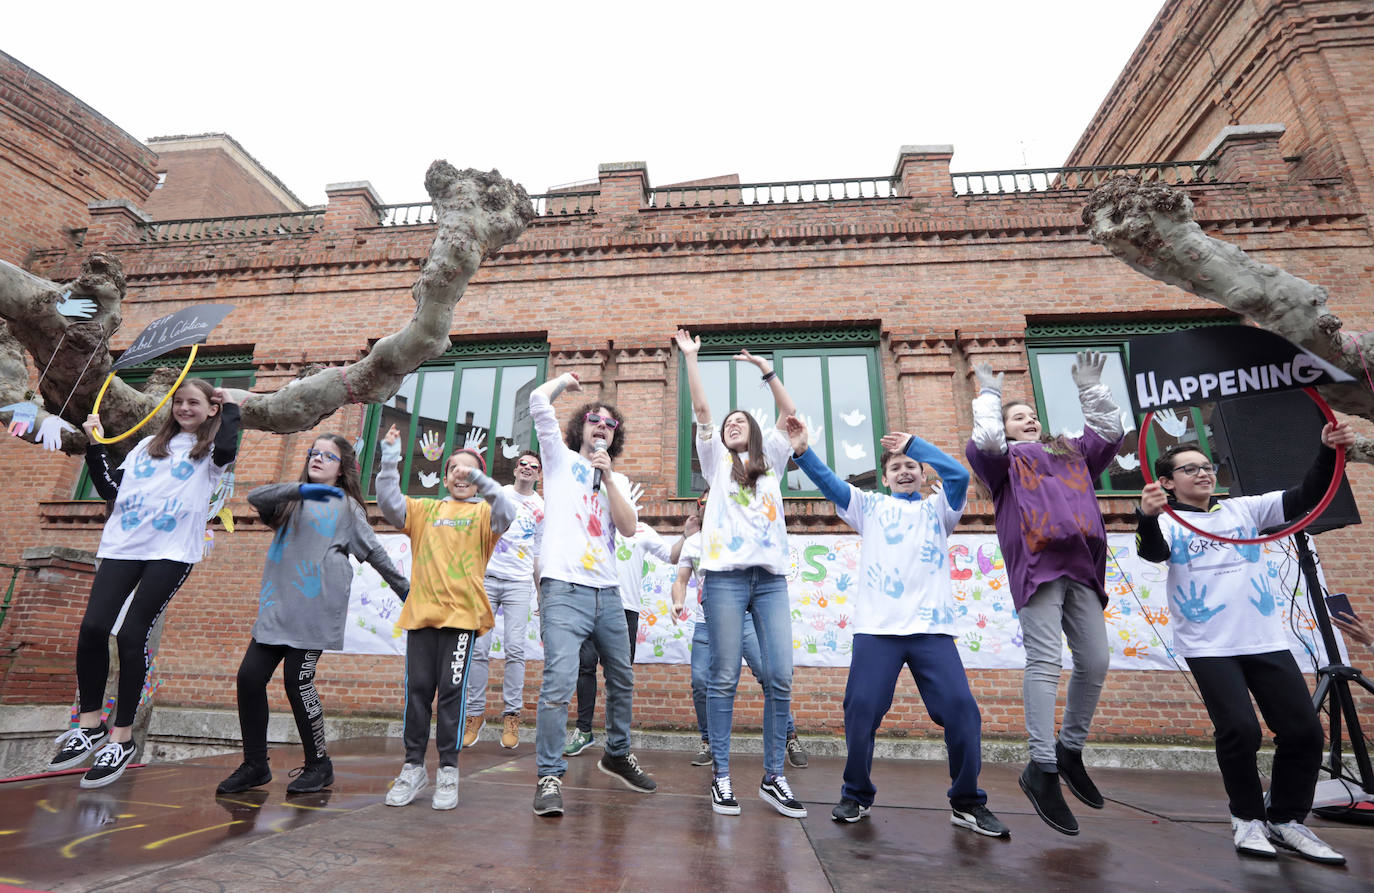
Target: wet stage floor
x: 161, y: 828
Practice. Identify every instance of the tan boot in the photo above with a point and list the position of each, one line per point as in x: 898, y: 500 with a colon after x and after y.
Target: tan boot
x: 473, y: 729
x: 510, y: 731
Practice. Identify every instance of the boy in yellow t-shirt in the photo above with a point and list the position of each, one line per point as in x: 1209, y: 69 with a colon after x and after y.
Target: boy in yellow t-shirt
x: 451, y: 540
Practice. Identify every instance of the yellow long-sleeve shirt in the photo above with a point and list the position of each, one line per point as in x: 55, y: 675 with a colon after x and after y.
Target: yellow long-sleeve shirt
x: 451, y: 543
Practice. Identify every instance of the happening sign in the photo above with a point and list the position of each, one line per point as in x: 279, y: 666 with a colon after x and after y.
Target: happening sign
x: 191, y: 325
x: 1215, y: 362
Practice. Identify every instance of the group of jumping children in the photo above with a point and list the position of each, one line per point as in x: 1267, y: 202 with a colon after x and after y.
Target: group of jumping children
x: 483, y: 544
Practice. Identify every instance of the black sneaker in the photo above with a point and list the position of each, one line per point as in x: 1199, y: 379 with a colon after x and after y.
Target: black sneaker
x: 723, y: 796
x: 849, y: 810
x: 978, y: 818
x: 110, y: 762
x: 77, y: 744
x: 626, y: 768
x: 703, y: 757
x: 548, y: 796
x: 247, y: 775
x: 1043, y: 790
x: 796, y: 754
x: 311, y: 777
x: 777, y: 794
x: 1075, y: 775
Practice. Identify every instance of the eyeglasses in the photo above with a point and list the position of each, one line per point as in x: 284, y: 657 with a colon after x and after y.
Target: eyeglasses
x: 701, y: 500
x: 1194, y: 470
x: 608, y: 421
x: 322, y: 454
x: 525, y: 463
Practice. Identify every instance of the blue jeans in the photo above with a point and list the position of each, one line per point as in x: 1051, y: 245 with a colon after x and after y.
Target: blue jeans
x: 728, y: 596
x: 701, y: 666
x: 569, y: 614
x: 512, y: 599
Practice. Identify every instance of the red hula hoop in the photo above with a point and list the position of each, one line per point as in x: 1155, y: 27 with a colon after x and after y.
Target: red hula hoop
x: 1293, y: 528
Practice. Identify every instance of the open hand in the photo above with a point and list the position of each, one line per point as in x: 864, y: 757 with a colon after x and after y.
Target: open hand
x: 1088, y: 370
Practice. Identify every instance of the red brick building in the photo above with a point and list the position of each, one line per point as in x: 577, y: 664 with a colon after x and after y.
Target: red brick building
x: 887, y: 289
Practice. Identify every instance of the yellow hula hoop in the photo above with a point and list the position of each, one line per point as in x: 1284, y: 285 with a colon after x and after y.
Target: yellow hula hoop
x: 100, y: 438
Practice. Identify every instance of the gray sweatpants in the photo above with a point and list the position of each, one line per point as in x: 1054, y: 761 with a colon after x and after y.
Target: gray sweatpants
x: 436, y: 663
x: 1069, y: 606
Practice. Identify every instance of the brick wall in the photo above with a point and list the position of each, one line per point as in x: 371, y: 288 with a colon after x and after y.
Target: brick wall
x: 56, y: 155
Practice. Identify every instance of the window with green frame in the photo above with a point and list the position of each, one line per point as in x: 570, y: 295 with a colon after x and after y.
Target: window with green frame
x: 1051, y: 349
x: 473, y: 389
x: 833, y: 376
x: 225, y: 370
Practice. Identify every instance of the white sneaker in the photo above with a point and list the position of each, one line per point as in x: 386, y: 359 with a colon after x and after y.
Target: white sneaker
x: 1251, y: 839
x: 410, y: 782
x: 445, y: 788
x: 1299, y: 838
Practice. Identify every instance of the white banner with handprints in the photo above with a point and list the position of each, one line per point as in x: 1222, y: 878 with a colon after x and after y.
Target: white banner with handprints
x: 822, y: 576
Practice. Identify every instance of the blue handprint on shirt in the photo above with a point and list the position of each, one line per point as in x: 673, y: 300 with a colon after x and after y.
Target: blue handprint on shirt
x: 1194, y: 605
x: 891, y: 519
x: 579, y: 470
x: 1249, y: 551
x: 1265, y: 604
x: 278, y: 546
x: 308, y: 578
x: 325, y: 518
x: 1180, y: 544
x: 167, y: 520
x: 932, y: 555
x: 267, y: 595
x: 181, y: 469
x: 735, y: 543
x: 132, y: 509
x: 143, y: 465
x: 889, y: 585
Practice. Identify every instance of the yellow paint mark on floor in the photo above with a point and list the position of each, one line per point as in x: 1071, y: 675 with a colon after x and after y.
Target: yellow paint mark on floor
x: 166, y: 840
x: 11, y: 831
x: 68, y: 851
x: 159, y: 805
x: 313, y: 808
x: 46, y: 806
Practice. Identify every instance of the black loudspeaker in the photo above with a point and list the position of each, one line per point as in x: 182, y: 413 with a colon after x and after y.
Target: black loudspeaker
x: 1268, y: 442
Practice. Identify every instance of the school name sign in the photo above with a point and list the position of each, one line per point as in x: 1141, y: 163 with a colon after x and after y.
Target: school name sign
x: 1212, y: 363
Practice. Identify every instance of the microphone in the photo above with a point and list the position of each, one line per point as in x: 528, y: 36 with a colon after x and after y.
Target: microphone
x: 598, y: 445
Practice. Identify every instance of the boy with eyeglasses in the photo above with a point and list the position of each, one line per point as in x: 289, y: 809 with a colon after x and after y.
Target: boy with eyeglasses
x: 1228, y: 627
x: 586, y: 502
x: 510, y: 588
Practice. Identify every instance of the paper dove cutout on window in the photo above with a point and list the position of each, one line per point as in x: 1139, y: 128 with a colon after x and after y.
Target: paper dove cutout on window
x: 428, y: 479
x: 853, y: 451
x: 853, y: 419
x: 510, y: 450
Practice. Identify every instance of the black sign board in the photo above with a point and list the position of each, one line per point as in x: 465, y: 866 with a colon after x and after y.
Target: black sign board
x: 191, y: 325
x: 1217, y: 362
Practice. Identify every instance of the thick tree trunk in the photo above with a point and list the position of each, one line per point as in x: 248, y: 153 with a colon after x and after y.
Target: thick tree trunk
x: 1151, y: 228
x: 476, y: 213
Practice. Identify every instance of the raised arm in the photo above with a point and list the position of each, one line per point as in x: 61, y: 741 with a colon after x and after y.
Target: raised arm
x: 105, y: 479
x: 690, y: 346
x: 1304, y: 497
x: 830, y: 485
x: 227, y: 437
x: 1100, y: 411
x: 989, y: 434
x: 781, y: 398
x: 389, y: 497
x: 551, y: 446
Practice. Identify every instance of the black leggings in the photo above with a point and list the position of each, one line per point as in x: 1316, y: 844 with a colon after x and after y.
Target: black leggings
x: 145, y: 587
x: 587, y: 659
x: 1280, y: 690
x: 259, y: 663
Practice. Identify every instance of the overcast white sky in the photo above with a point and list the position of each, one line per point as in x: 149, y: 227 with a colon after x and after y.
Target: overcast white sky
x: 322, y: 93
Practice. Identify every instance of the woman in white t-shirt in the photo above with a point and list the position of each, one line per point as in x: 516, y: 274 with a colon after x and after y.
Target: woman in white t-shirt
x: 155, y: 535
x: 744, y: 559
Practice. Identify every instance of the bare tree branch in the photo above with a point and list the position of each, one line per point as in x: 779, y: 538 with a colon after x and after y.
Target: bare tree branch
x: 1151, y: 228
x: 476, y: 214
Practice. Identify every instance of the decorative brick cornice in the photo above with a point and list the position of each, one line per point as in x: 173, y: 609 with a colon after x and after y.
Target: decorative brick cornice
x: 642, y: 364
x: 927, y: 354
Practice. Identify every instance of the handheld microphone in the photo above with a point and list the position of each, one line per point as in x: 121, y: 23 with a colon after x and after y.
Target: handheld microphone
x: 598, y: 445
